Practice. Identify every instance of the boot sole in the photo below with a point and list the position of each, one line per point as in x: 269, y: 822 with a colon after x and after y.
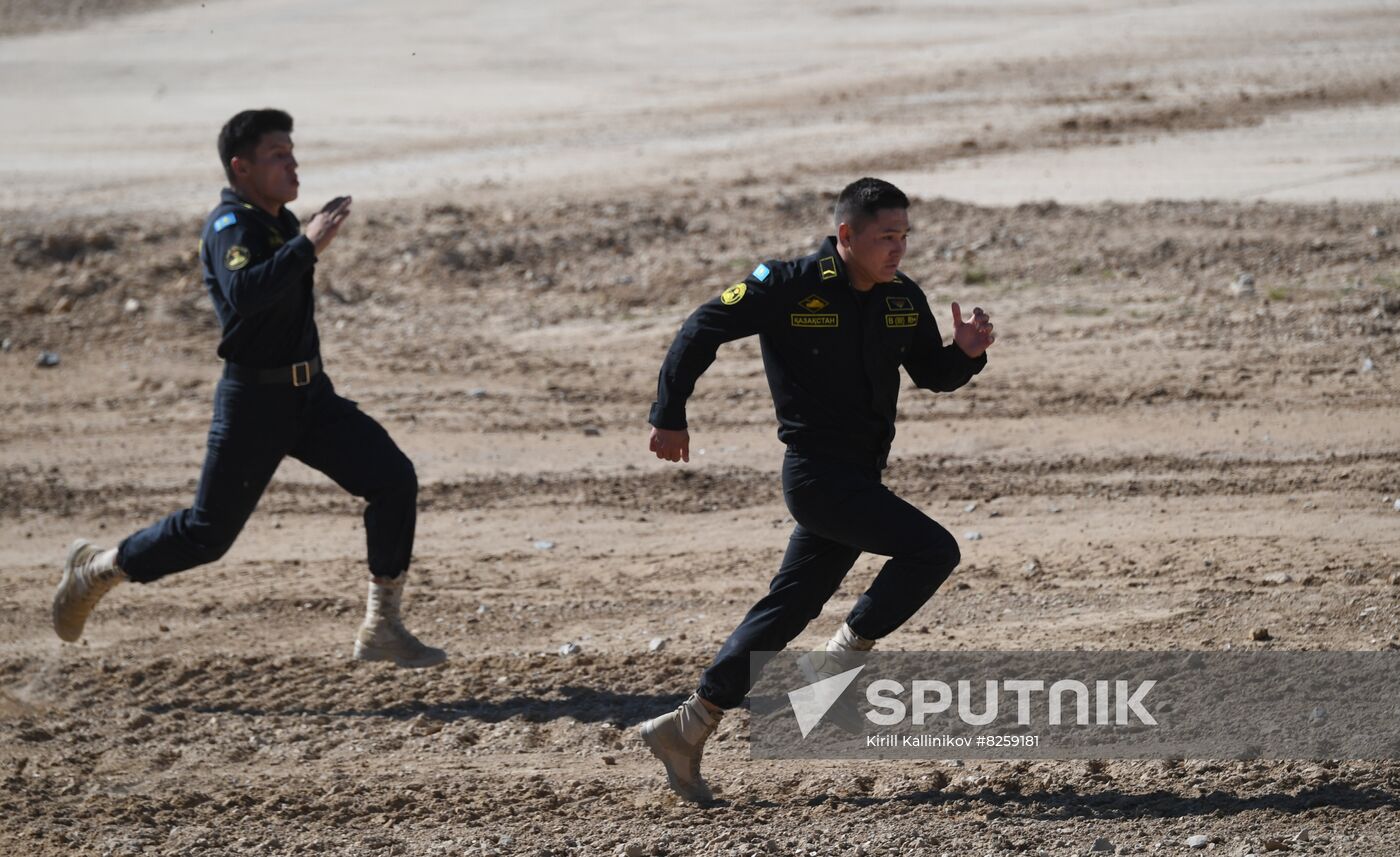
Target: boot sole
x: 73, y: 551
x: 374, y: 656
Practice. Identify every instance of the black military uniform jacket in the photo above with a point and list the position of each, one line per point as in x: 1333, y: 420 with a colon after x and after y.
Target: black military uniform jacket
x: 258, y: 269
x: 832, y: 354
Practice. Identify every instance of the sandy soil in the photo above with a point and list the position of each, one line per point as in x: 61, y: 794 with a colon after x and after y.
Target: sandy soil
x: 1159, y: 448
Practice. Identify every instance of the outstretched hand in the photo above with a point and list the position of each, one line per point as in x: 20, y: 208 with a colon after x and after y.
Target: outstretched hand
x: 326, y: 223
x: 671, y: 444
x: 973, y: 337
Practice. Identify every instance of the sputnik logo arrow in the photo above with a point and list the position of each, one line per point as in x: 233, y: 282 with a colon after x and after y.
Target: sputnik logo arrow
x: 811, y: 702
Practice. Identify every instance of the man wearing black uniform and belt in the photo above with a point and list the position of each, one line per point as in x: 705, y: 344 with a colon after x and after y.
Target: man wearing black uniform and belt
x: 834, y: 328
x: 274, y: 401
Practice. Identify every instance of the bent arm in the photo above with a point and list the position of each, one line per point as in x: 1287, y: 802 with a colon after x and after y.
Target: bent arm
x: 250, y: 277
x: 931, y: 364
x: 723, y: 319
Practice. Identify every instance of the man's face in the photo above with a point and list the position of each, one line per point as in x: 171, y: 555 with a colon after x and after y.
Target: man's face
x: 271, y: 174
x: 877, y: 247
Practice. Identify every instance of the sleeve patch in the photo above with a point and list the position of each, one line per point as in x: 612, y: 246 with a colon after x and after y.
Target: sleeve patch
x: 734, y: 294
x: 224, y: 222
x: 761, y: 272
x: 236, y: 258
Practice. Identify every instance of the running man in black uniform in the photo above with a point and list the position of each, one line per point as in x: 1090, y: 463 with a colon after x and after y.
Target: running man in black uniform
x: 835, y: 328
x: 273, y: 401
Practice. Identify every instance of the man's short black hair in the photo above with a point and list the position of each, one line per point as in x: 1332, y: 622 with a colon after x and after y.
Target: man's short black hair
x: 862, y: 198
x: 240, y: 135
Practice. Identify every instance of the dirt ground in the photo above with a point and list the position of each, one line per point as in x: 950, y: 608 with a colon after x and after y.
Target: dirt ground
x: 1152, y: 460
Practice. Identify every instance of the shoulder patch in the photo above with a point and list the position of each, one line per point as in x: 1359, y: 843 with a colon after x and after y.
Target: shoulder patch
x: 896, y: 303
x: 236, y: 258
x: 828, y: 266
x: 224, y: 222
x: 734, y: 294
x: 761, y: 272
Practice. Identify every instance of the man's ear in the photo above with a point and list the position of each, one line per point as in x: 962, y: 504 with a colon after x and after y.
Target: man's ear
x: 239, y: 165
x: 843, y: 235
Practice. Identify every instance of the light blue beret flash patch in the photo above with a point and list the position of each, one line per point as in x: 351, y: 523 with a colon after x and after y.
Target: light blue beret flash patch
x: 761, y: 272
x: 225, y: 221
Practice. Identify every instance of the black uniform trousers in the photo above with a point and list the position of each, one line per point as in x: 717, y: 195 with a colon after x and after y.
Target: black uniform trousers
x: 842, y: 510
x: 254, y: 427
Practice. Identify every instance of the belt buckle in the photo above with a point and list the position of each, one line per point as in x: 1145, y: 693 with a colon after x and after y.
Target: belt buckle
x: 301, y: 374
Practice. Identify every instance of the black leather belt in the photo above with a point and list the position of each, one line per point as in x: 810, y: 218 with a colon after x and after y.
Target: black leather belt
x: 297, y: 374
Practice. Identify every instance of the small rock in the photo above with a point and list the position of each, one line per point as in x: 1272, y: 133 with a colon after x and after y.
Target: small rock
x: 477, y: 393
x: 1367, y: 365
x: 1031, y: 568
x: 6, y: 345
x: 972, y: 536
x: 610, y: 760
x: 1277, y: 578
x: 1303, y: 835
x: 1101, y: 844
x: 47, y: 360
x: 1197, y: 841
x: 1243, y: 286
x: 970, y: 507
x: 1378, y: 232
x: 1319, y: 714
x: 131, y: 306
x: 1272, y: 844
x: 592, y: 431
x: 1396, y: 507
x: 570, y: 649
x: 1260, y: 634
x: 64, y: 304
x: 656, y: 644
x: 543, y: 545
x: 423, y: 725
x: 482, y: 609
x: 140, y: 721
x: 632, y: 849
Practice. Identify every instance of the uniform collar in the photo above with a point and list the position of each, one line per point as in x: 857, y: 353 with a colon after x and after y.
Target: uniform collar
x: 828, y: 251
x: 230, y: 196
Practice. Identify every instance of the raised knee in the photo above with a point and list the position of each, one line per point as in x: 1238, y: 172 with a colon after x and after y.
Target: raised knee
x: 213, y: 541
x: 953, y: 554
x: 943, y: 553
x: 399, y: 479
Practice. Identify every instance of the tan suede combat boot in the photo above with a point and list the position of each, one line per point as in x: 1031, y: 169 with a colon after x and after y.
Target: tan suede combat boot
x: 678, y: 740
x: 383, y: 636
x: 89, y: 573
x: 845, y: 651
